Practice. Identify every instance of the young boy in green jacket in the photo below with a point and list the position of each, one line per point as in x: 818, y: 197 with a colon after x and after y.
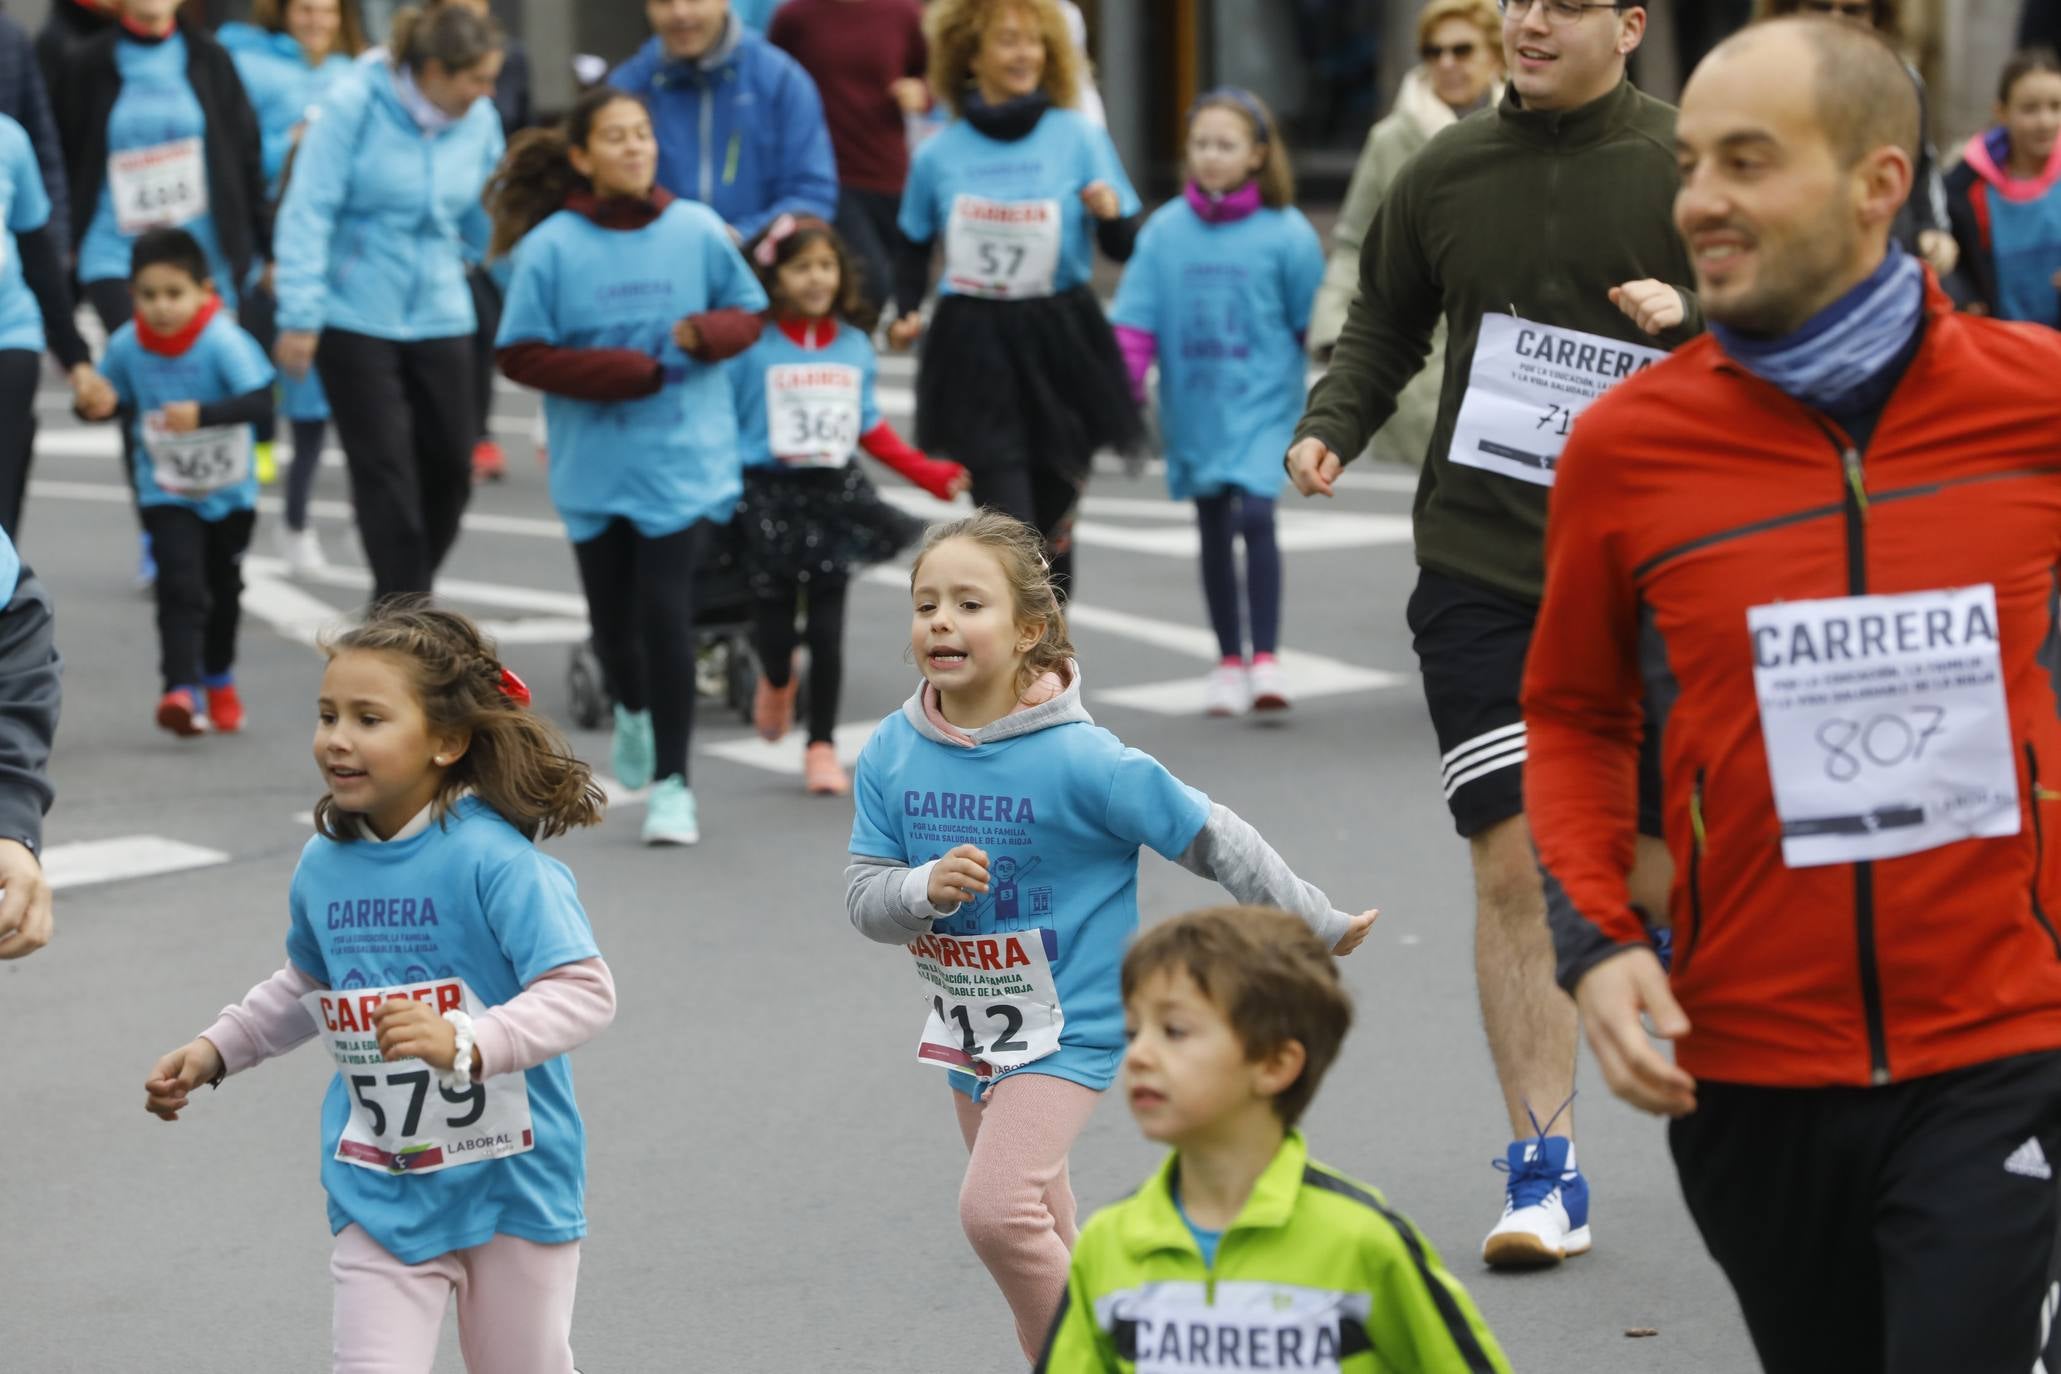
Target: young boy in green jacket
x: 1242, y: 1252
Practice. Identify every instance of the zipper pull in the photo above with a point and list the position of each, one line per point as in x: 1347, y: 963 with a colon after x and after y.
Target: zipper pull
x: 1696, y: 813
x: 1856, y: 481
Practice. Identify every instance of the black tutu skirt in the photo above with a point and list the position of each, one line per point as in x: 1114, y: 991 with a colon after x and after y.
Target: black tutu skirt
x: 1004, y: 382
x: 815, y: 522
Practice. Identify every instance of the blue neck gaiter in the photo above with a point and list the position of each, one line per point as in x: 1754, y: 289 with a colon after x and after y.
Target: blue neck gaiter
x: 1833, y: 361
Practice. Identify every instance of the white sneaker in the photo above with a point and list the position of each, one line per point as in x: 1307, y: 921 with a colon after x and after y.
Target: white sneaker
x: 1269, y: 692
x: 301, y: 550
x: 1227, y: 691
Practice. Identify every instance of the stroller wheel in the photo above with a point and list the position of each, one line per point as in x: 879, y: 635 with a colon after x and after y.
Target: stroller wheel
x: 743, y: 680
x: 583, y: 682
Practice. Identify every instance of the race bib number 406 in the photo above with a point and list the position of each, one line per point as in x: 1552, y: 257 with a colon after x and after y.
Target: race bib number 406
x: 812, y: 413
x: 1528, y: 384
x: 1005, y: 250
x: 158, y: 187
x: 403, y: 1120
x: 1884, y: 722
x: 993, y: 1005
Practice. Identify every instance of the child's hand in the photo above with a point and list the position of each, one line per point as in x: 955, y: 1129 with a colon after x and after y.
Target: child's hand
x: 959, y: 485
x: 1356, y: 932
x: 182, y: 417
x: 295, y: 351
x: 93, y: 396
x: 178, y: 1074
x: 686, y: 336
x: 408, y: 1029
x: 959, y: 876
x: 1100, y: 198
x: 905, y: 331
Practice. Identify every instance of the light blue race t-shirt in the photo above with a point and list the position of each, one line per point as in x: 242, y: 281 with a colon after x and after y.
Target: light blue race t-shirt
x: 1229, y: 304
x: 662, y: 461
x: 24, y: 208
x: 222, y: 364
x: 469, y: 898
x: 808, y: 403
x: 1062, y: 814
x: 156, y: 114
x: 994, y: 204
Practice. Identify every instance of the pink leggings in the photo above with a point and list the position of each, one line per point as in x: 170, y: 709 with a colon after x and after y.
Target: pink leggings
x: 1016, y: 1204
x: 515, y: 1301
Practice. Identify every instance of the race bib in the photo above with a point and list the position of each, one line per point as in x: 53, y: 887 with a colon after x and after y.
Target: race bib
x: 1528, y: 384
x: 1004, y: 250
x: 993, y: 1005
x: 200, y: 461
x: 403, y: 1121
x: 1884, y: 722
x: 158, y: 187
x: 812, y: 413
x: 1179, y: 1326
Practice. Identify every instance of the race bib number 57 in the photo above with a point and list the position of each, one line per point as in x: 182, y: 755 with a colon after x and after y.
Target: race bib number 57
x: 993, y: 1005
x: 403, y: 1120
x: 1528, y: 384
x: 1885, y: 723
x: 1004, y: 250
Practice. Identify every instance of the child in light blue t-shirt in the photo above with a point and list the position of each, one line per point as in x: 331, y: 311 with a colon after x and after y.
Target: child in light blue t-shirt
x: 447, y: 966
x: 193, y: 386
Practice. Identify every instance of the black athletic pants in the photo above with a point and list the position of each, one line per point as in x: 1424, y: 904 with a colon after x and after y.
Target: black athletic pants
x: 775, y: 641
x: 640, y: 602
x: 19, y: 371
x: 1906, y: 1229
x: 258, y: 314
x: 866, y: 220
x: 486, y: 313
x: 404, y: 413
x: 1041, y: 497
x: 199, y: 591
x: 114, y: 305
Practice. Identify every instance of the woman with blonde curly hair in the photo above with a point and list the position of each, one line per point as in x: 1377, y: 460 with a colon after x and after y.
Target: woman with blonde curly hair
x: 1020, y: 379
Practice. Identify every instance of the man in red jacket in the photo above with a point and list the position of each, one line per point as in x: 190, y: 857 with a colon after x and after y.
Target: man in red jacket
x: 1829, y: 534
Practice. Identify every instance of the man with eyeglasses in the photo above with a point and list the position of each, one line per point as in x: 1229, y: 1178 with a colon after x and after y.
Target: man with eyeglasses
x: 1541, y: 232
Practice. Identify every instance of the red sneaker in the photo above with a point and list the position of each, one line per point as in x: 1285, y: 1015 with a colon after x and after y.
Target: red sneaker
x: 177, y: 712
x: 489, y: 463
x: 225, y: 709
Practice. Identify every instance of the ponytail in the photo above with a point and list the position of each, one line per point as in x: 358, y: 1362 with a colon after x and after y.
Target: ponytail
x: 536, y: 175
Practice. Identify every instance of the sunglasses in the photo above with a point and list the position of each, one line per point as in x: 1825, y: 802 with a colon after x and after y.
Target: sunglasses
x: 1459, y: 52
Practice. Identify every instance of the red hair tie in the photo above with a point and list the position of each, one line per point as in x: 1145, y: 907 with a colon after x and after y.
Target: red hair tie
x: 514, y: 688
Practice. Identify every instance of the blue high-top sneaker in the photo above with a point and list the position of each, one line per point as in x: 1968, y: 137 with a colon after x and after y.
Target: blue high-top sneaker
x: 1545, y: 1207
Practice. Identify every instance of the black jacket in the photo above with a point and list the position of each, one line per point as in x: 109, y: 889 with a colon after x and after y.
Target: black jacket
x: 1975, y: 280
x: 70, y: 26
x: 85, y: 98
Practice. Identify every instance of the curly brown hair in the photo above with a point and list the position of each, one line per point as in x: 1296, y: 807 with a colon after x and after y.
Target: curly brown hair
x: 956, y: 27
x: 852, y: 306
x: 1020, y: 550
x: 350, y: 34
x: 517, y: 762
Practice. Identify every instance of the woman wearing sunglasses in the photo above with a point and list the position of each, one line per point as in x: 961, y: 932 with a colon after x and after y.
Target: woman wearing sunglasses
x: 1461, y: 44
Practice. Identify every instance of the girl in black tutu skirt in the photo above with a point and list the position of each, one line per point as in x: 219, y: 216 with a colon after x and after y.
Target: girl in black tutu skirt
x: 1020, y: 378
x: 805, y: 405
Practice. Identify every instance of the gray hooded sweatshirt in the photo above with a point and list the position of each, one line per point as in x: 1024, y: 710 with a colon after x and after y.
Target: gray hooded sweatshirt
x: 889, y: 901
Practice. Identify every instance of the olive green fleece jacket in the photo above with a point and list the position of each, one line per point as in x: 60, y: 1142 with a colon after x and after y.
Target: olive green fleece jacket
x: 1531, y: 213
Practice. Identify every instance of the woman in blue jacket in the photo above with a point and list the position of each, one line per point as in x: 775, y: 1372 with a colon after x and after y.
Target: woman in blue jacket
x: 373, y: 243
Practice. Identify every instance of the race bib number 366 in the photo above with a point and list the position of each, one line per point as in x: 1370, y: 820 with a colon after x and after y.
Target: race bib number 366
x: 403, y: 1121
x: 812, y: 413
x: 993, y: 1005
x: 1885, y: 723
x: 1528, y: 384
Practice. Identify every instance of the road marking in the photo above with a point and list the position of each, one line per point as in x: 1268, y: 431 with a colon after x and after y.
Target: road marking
x: 786, y: 756
x: 280, y: 602
x: 84, y: 863
x: 1307, y: 676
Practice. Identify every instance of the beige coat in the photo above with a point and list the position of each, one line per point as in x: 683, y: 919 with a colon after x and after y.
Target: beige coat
x: 1418, y: 114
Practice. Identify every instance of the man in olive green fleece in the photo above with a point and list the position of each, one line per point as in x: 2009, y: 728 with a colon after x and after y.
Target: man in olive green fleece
x: 1542, y: 233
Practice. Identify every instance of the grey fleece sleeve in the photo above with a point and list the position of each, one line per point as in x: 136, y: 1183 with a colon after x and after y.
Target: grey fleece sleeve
x: 1230, y: 852
x: 889, y: 901
x: 29, y: 687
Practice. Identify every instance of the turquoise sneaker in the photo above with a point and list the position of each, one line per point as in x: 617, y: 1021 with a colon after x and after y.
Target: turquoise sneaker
x: 633, y: 754
x: 669, y: 815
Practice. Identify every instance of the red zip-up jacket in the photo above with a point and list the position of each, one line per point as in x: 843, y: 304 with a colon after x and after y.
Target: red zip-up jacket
x: 1689, y: 495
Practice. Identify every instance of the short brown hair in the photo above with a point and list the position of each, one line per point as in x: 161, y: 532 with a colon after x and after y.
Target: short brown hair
x: 1021, y: 552
x: 1273, y: 980
x: 1865, y: 95
x: 1276, y: 175
x: 955, y: 29
x: 1480, y: 13
x: 350, y: 33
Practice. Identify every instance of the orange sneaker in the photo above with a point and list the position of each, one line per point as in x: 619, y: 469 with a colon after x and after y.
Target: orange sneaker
x: 489, y: 463
x: 179, y: 713
x: 772, y: 708
x: 822, y: 774
x: 225, y: 709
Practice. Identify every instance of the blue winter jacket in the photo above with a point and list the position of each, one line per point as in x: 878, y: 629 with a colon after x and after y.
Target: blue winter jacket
x: 379, y: 218
x: 280, y: 83
x: 740, y: 129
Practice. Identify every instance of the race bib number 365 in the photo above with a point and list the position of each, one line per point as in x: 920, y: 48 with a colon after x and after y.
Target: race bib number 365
x: 993, y: 1005
x: 1005, y: 250
x: 403, y: 1121
x: 1528, y: 384
x: 1885, y: 723
x: 200, y: 461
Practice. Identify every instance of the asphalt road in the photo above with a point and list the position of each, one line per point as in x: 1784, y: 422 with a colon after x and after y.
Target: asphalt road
x: 772, y: 1179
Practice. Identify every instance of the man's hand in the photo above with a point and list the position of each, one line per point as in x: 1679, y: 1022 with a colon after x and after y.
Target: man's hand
x: 1611, y: 997
x: 1313, y: 467
x: 911, y: 93
x: 1938, y: 248
x: 1654, y: 306
x: 25, y: 904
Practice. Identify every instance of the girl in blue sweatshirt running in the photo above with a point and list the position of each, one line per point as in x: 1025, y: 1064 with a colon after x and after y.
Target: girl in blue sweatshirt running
x: 447, y: 966
x: 997, y: 837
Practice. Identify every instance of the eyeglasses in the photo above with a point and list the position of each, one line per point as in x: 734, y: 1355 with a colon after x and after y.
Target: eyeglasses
x: 1459, y: 52
x: 1842, y: 9
x: 1557, y: 11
